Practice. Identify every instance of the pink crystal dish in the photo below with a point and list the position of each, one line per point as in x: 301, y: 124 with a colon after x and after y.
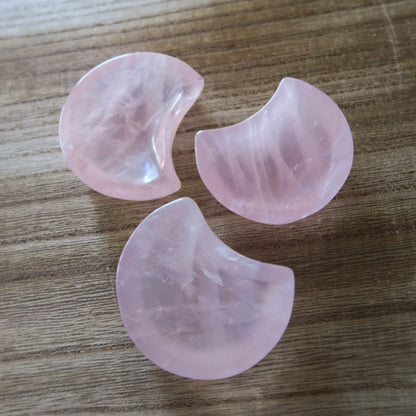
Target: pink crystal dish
x: 119, y: 121
x: 282, y: 164
x: 191, y: 304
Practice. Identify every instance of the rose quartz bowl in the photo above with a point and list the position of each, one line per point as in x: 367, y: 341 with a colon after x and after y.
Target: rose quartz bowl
x: 118, y: 124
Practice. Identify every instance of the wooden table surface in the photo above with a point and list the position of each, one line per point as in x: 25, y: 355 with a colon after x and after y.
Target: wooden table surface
x: 350, y: 348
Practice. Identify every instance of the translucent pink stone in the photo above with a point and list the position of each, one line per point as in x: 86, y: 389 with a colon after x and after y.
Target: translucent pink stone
x: 282, y: 164
x: 194, y: 306
x: 118, y: 124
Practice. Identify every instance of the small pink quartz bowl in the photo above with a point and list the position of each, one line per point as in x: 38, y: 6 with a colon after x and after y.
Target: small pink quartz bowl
x: 119, y: 121
x: 194, y: 306
x: 282, y: 164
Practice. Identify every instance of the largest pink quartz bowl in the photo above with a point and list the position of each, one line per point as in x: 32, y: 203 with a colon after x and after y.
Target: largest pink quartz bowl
x: 118, y: 124
x: 282, y: 164
x: 194, y: 306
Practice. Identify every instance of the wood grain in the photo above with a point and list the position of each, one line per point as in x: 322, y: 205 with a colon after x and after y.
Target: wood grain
x: 350, y: 348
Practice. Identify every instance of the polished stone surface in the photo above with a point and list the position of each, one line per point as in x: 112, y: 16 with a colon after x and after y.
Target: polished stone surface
x: 194, y: 306
x: 118, y: 124
x: 282, y: 164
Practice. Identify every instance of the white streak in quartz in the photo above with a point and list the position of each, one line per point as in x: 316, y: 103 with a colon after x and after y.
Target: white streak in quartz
x: 213, y: 277
x: 194, y: 306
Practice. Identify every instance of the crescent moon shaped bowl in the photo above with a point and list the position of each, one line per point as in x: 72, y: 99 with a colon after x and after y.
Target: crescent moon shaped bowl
x: 194, y: 306
x: 118, y: 123
x: 282, y: 164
